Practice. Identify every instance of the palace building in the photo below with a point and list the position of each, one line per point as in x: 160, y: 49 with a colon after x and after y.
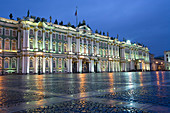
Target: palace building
x: 167, y: 60
x: 29, y: 46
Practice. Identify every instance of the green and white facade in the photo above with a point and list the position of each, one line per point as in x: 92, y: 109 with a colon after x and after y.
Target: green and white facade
x: 25, y: 44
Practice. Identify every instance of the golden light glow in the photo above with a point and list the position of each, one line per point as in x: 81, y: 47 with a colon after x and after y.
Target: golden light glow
x: 156, y: 62
x: 82, y: 88
x: 157, y: 77
x: 39, y: 53
x: 141, y: 78
x: 111, y: 81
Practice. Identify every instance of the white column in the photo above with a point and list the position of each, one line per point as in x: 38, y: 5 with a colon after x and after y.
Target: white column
x: 118, y: 51
x: 70, y: 65
x: 51, y: 41
x: 79, y: 66
x: 51, y: 64
x: 19, y: 39
x: 18, y: 64
x: 23, y: 63
x: 27, y: 40
x: 97, y: 51
x: 43, y: 64
x: 69, y: 38
x: 43, y: 42
x: 113, y: 66
x: 28, y: 63
x: 82, y: 46
x: 92, y: 49
x: 92, y: 65
x: 123, y: 66
x: 78, y: 45
x: 123, y: 53
x: 36, y: 64
x: 112, y: 50
x: 109, y: 64
x: 115, y: 51
x: 23, y: 40
x: 108, y: 51
x: 36, y: 39
x: 98, y: 66
x: 118, y: 65
x: 86, y: 47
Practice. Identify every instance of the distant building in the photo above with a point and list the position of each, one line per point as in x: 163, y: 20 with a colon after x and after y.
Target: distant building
x: 34, y: 45
x: 167, y: 60
x: 157, y: 63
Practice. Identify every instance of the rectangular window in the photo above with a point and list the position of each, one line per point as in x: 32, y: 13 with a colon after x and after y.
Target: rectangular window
x: 14, y: 33
x: 7, y: 32
x: 53, y: 63
x: 0, y: 43
x: 13, y: 64
x: 39, y: 33
x: 46, y: 46
x: 0, y: 62
x: 7, y: 44
x: 59, y: 48
x: 54, y: 47
x: 31, y: 32
x: 31, y: 45
x: 65, y: 38
x: 46, y: 34
x: 54, y: 36
x: 59, y: 37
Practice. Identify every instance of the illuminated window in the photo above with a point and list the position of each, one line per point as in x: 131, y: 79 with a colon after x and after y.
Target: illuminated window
x: 89, y: 50
x: 103, y: 53
x: 1, y: 31
x: 39, y: 44
x: 7, y: 44
x: 31, y: 32
x: 65, y: 47
x: 84, y: 49
x: 14, y: 33
x: 14, y: 44
x: 74, y: 48
x: 39, y: 33
x: 6, y: 63
x: 7, y: 32
x: 54, y: 36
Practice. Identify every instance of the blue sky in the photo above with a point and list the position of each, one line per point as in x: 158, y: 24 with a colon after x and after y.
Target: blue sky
x: 143, y: 21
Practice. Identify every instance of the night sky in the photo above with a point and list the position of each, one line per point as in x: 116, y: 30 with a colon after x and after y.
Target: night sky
x: 143, y: 21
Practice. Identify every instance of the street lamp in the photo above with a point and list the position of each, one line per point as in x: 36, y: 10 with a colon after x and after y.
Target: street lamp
x: 39, y: 54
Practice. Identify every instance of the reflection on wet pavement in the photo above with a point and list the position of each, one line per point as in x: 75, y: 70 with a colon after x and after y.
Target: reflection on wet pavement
x: 90, y: 92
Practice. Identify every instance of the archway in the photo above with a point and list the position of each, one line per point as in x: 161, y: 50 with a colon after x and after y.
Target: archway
x: 74, y: 65
x: 85, y: 66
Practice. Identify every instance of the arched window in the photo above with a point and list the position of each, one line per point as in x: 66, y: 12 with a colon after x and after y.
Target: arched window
x: 65, y: 38
x: 31, y: 62
x: 14, y: 45
x: 6, y: 62
x: 7, y: 32
x: 14, y: 33
x: 13, y: 62
x: 59, y: 37
x: 7, y: 44
x: 39, y: 44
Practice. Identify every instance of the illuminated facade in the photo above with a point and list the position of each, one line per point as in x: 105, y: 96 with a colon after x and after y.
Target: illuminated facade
x: 27, y: 46
x: 167, y: 60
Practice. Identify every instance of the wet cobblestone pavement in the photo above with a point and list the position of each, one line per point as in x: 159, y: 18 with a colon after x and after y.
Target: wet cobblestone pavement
x: 92, y: 92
